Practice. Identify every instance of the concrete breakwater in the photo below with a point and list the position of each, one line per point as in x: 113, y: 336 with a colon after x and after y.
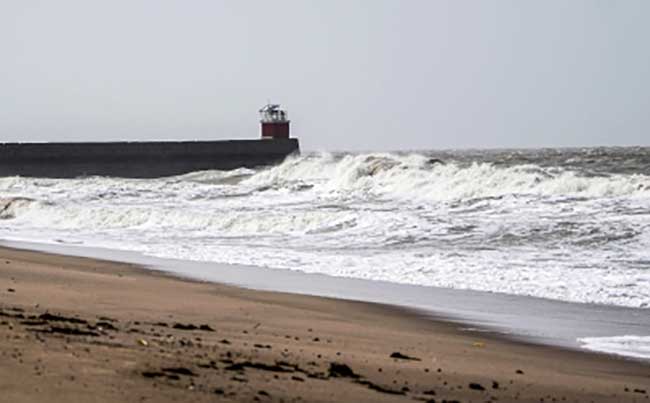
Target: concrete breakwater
x: 139, y: 159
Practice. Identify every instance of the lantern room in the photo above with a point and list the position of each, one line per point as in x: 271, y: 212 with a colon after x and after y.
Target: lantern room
x: 275, y: 122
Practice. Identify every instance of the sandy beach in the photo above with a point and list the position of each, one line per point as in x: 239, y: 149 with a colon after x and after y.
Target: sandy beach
x: 84, y: 330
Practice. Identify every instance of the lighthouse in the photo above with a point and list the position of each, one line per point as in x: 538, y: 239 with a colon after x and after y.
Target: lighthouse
x: 275, y: 122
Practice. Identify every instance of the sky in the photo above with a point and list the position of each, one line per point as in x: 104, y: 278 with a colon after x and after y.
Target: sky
x: 354, y: 75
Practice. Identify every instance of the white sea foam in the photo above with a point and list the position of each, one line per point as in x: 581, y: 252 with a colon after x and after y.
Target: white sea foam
x: 630, y: 346
x: 522, y: 229
x: 413, y: 176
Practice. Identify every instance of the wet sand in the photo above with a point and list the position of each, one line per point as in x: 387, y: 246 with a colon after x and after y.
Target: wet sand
x: 84, y: 330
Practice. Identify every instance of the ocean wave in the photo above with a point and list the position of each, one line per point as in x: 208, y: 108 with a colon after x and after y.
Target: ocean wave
x: 417, y: 176
x: 545, y: 231
x: 629, y: 346
x: 195, y: 221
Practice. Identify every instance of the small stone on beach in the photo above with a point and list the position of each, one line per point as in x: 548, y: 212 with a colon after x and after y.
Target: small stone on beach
x: 400, y: 356
x: 476, y: 386
x: 341, y: 370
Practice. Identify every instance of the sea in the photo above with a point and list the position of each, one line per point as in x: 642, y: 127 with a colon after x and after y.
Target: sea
x: 562, y: 224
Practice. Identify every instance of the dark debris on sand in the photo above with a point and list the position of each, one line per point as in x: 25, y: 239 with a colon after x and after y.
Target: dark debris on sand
x: 189, y: 326
x: 214, y: 365
x: 400, y: 356
x: 341, y: 370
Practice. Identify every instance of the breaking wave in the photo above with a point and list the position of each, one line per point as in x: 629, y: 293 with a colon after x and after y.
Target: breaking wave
x: 416, y: 176
x: 563, y: 231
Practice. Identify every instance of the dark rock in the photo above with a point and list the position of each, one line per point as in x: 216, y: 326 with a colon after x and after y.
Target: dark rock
x: 240, y: 366
x: 153, y: 374
x: 401, y: 356
x: 520, y: 372
x: 495, y: 385
x: 10, y: 290
x: 181, y: 326
x: 341, y: 370
x: 476, y: 386
x: 430, y: 392
x: 642, y: 391
x: 297, y: 378
x: 189, y: 326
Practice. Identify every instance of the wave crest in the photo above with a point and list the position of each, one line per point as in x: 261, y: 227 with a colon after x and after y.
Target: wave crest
x: 418, y: 177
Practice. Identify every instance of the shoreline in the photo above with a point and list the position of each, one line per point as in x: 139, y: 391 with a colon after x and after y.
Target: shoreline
x: 522, y: 318
x: 80, y: 329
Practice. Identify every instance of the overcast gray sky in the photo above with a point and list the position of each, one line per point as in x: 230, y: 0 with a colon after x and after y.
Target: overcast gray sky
x: 354, y: 75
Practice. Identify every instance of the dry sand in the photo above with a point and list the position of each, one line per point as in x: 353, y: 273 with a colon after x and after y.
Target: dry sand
x: 82, y: 330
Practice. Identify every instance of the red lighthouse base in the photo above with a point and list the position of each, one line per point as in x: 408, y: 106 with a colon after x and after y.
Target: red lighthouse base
x: 275, y: 130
